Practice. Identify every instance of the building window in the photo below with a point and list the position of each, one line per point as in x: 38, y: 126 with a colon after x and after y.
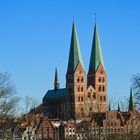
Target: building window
x: 99, y: 80
x: 78, y: 98
x: 78, y: 79
x: 104, y: 98
x: 82, y: 99
x: 103, y: 79
x: 100, y: 98
x: 103, y: 88
x: 99, y: 88
x: 78, y: 89
x: 81, y: 88
x: 94, y: 96
x: 88, y: 95
x: 82, y: 79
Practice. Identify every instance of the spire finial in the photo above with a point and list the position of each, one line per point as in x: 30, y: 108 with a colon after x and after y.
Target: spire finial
x: 73, y: 18
x: 95, y: 17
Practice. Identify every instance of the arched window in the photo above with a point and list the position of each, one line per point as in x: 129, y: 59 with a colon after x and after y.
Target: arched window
x: 78, y: 89
x: 78, y: 98
x: 88, y: 95
x: 94, y: 96
x: 81, y: 88
x: 99, y: 88
x: 82, y: 99
x: 103, y: 88
x: 99, y: 79
x: 103, y: 79
x: 104, y: 98
x: 78, y: 79
x: 100, y: 98
x: 101, y: 72
x: 82, y: 79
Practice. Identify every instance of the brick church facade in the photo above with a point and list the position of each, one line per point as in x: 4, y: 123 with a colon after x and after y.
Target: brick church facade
x: 84, y: 94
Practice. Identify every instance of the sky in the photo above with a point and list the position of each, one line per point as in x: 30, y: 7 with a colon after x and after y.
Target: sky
x: 35, y: 38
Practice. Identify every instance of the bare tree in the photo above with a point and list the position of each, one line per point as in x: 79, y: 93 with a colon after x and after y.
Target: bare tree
x: 29, y: 104
x: 136, y: 88
x: 8, y: 100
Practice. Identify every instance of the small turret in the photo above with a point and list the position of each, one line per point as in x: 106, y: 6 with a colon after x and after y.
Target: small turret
x: 118, y: 107
x: 109, y: 108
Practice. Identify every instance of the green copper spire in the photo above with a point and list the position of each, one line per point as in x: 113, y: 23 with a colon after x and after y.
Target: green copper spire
x: 56, y: 81
x: 75, y: 55
x: 131, y: 104
x: 96, y: 57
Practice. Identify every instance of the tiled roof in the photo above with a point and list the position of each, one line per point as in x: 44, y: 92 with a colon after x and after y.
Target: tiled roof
x: 52, y: 94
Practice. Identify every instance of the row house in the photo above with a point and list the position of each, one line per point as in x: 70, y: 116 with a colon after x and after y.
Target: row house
x: 47, y: 129
x: 30, y: 127
x: 103, y: 125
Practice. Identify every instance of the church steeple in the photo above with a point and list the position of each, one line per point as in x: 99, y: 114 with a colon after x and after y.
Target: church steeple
x: 75, y: 78
x: 96, y: 74
x: 131, y: 104
x: 75, y: 54
x: 56, y: 81
x: 96, y: 57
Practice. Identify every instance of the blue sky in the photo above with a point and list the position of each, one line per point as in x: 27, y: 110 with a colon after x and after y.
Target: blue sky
x: 35, y: 37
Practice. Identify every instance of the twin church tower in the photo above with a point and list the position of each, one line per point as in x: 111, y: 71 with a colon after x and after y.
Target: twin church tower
x: 84, y: 94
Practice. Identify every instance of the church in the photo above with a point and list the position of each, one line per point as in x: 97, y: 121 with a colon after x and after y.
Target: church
x: 85, y: 93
